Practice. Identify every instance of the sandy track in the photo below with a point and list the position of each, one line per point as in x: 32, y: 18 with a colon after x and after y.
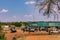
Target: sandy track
x: 32, y: 36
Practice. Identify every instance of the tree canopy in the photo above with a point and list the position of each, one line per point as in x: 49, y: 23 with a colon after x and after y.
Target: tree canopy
x: 47, y: 5
x: 17, y: 24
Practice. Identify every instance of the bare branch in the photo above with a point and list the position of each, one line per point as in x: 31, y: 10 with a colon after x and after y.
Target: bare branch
x: 48, y: 10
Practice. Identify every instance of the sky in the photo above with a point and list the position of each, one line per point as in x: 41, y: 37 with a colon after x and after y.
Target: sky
x: 20, y: 10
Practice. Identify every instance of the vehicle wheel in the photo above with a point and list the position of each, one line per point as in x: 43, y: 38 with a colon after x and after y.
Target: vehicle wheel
x: 49, y: 32
x: 23, y: 31
x: 59, y: 32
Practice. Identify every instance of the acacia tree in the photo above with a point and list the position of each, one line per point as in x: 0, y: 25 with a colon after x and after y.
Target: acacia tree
x: 50, y: 6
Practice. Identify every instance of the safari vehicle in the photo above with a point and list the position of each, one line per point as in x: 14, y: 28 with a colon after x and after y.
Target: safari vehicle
x: 50, y: 27
x: 28, y: 29
x: 13, y: 29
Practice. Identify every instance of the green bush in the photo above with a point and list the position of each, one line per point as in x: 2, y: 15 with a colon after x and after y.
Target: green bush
x: 17, y: 24
x: 2, y: 36
x: 0, y: 29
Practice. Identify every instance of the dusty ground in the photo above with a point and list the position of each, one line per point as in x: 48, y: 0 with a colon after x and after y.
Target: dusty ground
x: 32, y: 36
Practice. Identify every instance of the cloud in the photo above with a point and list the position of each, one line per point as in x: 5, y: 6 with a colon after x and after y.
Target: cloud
x: 30, y: 2
x: 27, y: 15
x: 14, y: 16
x: 3, y: 11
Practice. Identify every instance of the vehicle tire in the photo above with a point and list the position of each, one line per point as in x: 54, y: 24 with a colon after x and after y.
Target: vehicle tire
x: 49, y: 32
x: 23, y: 31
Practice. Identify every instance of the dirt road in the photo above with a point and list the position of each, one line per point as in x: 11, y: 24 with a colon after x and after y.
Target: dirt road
x: 32, y: 36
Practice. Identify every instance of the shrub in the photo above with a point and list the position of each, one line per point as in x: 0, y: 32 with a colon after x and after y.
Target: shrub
x: 2, y: 36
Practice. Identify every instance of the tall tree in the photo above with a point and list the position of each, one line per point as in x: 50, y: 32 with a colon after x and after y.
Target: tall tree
x: 50, y: 6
